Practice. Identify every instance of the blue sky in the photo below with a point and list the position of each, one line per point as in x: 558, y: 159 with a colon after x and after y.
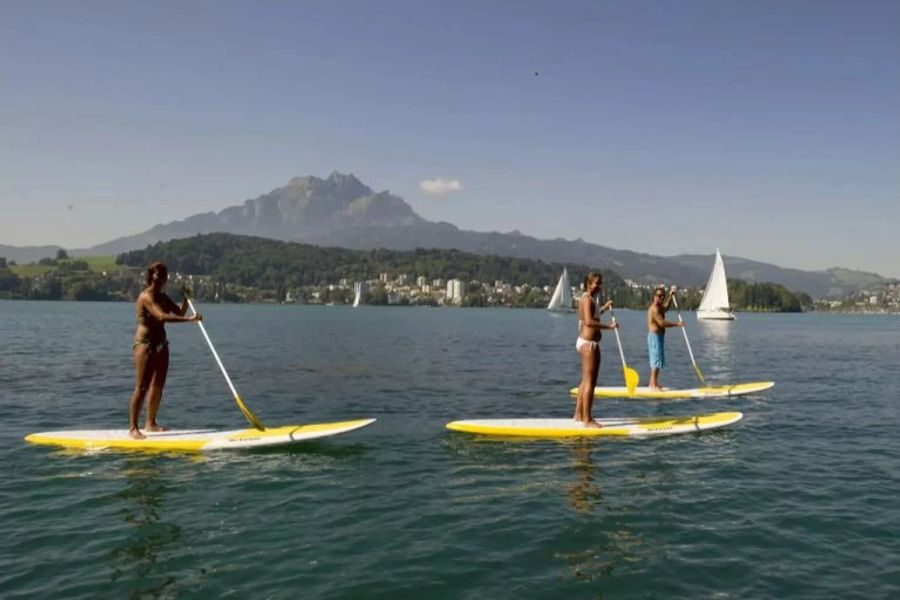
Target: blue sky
x: 769, y: 129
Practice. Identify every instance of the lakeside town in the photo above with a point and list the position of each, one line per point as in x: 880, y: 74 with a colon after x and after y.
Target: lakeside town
x: 385, y: 290
x: 404, y: 290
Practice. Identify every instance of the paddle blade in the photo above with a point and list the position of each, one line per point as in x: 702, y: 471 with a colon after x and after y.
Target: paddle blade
x: 249, y: 415
x: 632, y: 379
x: 699, y: 374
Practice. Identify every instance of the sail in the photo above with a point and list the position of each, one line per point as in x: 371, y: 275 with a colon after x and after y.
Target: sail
x: 357, y: 288
x: 562, y: 295
x: 715, y: 296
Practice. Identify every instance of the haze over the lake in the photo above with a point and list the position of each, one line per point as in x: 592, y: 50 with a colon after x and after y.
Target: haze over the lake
x: 768, y: 129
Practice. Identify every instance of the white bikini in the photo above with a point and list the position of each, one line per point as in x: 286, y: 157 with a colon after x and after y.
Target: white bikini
x: 581, y: 342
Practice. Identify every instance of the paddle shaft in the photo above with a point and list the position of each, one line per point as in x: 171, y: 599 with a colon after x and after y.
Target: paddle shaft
x: 688, y: 342
x: 249, y: 415
x: 618, y: 340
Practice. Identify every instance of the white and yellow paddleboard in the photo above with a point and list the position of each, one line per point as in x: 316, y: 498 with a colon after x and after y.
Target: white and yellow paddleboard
x: 195, y: 440
x: 708, y: 392
x: 616, y: 427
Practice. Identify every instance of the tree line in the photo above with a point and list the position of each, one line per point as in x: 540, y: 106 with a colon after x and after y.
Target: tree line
x: 262, y: 262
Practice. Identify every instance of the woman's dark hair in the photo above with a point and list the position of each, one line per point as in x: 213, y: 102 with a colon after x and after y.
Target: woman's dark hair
x: 593, y: 275
x: 156, y: 268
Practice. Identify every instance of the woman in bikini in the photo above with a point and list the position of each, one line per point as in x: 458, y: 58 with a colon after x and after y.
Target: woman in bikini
x: 151, y: 349
x: 588, y: 346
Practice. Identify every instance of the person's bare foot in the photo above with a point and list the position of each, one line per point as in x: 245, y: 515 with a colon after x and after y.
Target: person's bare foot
x: 154, y: 427
x: 136, y: 434
x: 592, y: 424
x: 656, y: 388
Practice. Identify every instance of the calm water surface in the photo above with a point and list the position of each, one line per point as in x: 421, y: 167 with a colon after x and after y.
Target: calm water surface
x: 799, y: 500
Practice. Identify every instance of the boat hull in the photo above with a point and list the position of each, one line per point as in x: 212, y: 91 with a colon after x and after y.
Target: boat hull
x: 715, y: 315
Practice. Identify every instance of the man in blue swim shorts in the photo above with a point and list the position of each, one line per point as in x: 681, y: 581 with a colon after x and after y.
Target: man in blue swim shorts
x: 656, y: 334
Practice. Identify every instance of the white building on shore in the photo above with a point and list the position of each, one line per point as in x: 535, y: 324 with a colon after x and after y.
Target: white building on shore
x: 456, y: 291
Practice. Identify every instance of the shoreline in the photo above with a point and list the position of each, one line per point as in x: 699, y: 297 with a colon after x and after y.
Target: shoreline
x: 452, y: 306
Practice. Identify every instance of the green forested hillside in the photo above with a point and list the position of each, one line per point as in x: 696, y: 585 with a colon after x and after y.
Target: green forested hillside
x: 766, y: 297
x: 260, y: 262
x: 64, y: 278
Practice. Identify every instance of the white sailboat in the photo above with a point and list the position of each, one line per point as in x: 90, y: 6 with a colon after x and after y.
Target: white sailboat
x: 357, y: 289
x: 561, y: 301
x: 714, y: 304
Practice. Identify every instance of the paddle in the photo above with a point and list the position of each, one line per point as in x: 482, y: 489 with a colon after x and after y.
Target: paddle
x: 632, y: 379
x: 249, y: 415
x: 688, y: 343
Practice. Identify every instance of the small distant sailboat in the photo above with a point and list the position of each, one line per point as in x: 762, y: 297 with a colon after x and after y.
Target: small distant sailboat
x: 714, y: 304
x: 357, y: 291
x: 561, y: 301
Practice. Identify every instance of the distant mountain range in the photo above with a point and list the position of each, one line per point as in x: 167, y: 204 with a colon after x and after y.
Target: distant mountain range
x: 341, y: 211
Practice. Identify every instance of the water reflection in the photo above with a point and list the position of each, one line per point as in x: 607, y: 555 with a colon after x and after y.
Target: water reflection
x: 718, y: 343
x: 137, y: 560
x: 584, y: 492
x: 602, y: 545
x: 716, y: 331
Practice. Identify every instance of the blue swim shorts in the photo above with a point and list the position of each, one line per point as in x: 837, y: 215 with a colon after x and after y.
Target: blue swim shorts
x: 656, y: 345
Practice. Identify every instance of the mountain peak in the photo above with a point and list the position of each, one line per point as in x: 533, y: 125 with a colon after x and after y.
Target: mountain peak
x: 302, y: 182
x: 305, y: 206
x: 344, y: 184
x: 343, y: 178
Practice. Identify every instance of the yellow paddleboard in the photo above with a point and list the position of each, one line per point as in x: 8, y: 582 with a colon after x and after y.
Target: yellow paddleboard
x: 615, y: 427
x: 195, y: 440
x: 709, y: 392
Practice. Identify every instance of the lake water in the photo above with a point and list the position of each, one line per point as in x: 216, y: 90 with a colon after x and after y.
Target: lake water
x: 798, y: 500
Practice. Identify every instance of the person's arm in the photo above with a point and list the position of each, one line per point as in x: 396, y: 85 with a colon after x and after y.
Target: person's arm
x: 170, y: 307
x: 672, y: 291
x: 588, y: 319
x: 613, y: 325
x: 165, y: 314
x: 660, y: 322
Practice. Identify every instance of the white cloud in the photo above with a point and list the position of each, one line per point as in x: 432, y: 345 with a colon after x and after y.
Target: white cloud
x: 440, y: 186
